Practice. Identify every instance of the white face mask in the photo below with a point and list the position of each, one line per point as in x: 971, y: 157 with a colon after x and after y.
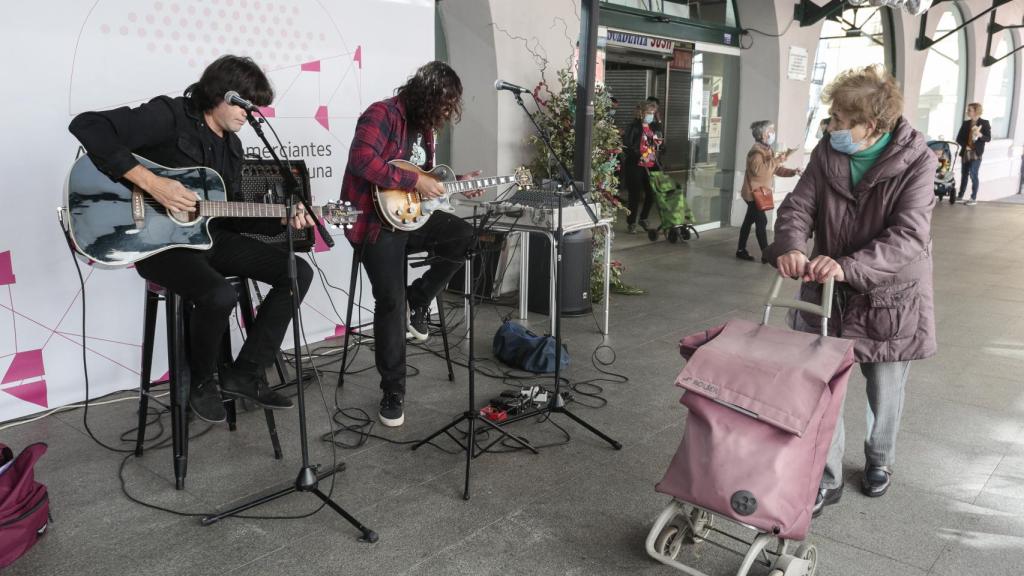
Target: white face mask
x: 770, y: 139
x: 648, y: 118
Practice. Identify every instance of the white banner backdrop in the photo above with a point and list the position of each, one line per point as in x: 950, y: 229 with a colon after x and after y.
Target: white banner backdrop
x: 327, y: 60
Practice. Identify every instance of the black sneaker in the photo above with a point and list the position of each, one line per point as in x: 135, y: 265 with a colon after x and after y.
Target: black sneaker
x: 826, y: 497
x: 205, y: 400
x: 391, y: 413
x: 744, y: 255
x: 419, y: 322
x: 253, y: 387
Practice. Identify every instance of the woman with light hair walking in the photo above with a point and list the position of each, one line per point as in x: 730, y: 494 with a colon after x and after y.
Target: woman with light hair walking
x: 866, y: 198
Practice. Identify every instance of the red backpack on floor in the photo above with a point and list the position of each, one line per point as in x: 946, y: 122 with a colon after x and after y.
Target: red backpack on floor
x: 24, y: 504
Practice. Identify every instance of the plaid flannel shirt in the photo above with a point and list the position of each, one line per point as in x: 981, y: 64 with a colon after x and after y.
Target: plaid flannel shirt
x: 380, y: 137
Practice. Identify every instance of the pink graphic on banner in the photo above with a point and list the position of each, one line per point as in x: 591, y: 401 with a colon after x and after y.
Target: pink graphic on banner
x: 321, y: 117
x: 358, y: 58
x: 6, y: 269
x: 320, y: 245
x: 267, y: 111
x: 165, y: 378
x: 27, y: 364
x: 339, y: 331
x: 34, y: 392
x: 313, y: 66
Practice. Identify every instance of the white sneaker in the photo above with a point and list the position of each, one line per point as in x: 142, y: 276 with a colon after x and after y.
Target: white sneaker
x: 971, y: 202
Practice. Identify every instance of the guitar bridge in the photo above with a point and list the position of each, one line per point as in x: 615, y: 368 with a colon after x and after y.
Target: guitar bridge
x: 138, y: 208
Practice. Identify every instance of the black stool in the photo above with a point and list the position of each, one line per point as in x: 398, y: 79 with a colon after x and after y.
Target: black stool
x: 179, y: 374
x: 441, y: 324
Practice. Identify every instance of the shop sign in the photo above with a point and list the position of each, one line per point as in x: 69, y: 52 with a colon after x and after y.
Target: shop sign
x: 640, y: 41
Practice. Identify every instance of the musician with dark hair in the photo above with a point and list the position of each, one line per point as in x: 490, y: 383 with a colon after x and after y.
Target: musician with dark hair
x: 199, y: 129
x: 403, y: 127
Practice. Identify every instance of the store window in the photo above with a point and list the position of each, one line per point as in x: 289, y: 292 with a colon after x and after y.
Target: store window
x: 720, y: 12
x: 940, y: 104
x: 998, y: 101
x: 856, y: 38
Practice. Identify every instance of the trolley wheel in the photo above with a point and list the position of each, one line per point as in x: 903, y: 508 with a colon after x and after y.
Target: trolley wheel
x: 673, y: 235
x: 669, y: 542
x: 685, y: 232
x: 652, y: 234
x: 699, y: 526
x: 810, y: 553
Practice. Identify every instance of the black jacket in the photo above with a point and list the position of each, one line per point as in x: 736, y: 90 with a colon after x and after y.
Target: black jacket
x: 979, y: 145
x: 169, y: 132
x: 631, y: 140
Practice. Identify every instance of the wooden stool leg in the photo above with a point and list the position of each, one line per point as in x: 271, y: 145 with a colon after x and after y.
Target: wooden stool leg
x: 180, y: 377
x: 148, y: 335
x: 444, y: 337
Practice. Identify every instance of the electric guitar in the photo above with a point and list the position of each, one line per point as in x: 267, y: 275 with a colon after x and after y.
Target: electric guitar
x: 403, y: 210
x: 114, y: 225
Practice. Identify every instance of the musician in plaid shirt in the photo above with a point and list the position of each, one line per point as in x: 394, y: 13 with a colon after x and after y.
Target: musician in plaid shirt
x: 403, y: 127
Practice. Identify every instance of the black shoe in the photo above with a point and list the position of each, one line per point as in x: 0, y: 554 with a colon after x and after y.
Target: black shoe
x: 205, y: 400
x: 391, y: 413
x: 876, y: 481
x: 826, y: 497
x: 251, y: 386
x: 419, y: 322
x: 744, y: 255
x: 764, y: 259
x: 643, y: 224
x: 952, y: 199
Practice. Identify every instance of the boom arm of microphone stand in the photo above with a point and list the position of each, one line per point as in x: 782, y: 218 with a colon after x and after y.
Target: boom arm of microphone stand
x: 291, y: 185
x: 566, y: 177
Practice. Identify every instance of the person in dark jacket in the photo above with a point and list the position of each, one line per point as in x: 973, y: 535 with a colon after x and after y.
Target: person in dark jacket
x: 640, y: 144
x: 973, y: 134
x: 200, y: 128
x: 866, y: 197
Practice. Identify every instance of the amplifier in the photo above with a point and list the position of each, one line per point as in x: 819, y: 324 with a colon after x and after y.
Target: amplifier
x: 262, y: 183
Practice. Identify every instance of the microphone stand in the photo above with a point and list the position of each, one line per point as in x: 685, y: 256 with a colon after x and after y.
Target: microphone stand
x: 308, y: 479
x: 556, y: 404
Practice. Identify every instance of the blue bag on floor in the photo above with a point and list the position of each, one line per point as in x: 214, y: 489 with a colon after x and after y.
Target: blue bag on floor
x: 519, y: 348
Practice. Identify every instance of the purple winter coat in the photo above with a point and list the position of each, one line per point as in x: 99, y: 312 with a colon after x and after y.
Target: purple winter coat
x: 880, y: 233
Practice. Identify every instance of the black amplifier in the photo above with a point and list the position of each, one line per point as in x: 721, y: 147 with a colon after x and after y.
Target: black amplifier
x: 262, y: 183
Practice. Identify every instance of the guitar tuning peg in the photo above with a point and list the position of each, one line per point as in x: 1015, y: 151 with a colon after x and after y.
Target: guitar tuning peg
x: 348, y: 226
x: 410, y: 210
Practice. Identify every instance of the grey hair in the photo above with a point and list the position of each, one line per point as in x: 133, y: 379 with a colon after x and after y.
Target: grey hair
x: 757, y: 129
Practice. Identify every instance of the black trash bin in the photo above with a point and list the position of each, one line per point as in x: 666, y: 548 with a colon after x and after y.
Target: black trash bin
x: 577, y: 256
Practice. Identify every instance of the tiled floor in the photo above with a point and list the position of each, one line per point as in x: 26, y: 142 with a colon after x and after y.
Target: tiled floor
x: 956, y: 506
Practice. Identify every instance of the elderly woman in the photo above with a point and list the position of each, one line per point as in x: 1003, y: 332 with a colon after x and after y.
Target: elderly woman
x: 640, y: 142
x: 866, y: 198
x: 763, y: 164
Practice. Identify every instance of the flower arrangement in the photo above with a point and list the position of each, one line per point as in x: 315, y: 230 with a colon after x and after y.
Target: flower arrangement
x: 557, y: 115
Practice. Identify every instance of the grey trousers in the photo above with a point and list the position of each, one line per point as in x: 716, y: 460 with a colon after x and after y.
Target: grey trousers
x: 886, y: 382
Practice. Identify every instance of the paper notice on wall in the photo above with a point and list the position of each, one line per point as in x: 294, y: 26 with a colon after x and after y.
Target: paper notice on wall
x: 797, y: 69
x: 715, y: 135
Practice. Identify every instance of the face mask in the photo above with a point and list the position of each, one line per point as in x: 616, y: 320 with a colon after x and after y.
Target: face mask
x: 842, y: 142
x: 770, y: 140
x: 648, y: 118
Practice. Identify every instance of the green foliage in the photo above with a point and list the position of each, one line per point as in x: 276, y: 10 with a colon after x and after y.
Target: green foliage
x: 557, y: 115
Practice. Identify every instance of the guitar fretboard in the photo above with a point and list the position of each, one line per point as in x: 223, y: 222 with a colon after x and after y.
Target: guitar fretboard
x: 212, y: 208
x: 467, y: 185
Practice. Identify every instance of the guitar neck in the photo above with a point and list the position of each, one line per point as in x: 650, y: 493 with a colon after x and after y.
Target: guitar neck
x: 215, y: 208
x: 477, y: 183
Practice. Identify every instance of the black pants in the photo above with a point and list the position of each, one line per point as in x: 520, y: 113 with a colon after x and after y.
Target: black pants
x: 639, y: 186
x: 198, y: 276
x: 760, y: 220
x: 448, y: 238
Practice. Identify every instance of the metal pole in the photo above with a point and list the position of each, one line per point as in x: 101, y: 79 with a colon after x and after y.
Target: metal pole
x: 585, y: 90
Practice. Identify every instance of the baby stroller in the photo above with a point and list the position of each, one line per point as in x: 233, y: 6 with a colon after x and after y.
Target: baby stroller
x: 947, y: 154
x: 763, y: 404
x: 676, y: 216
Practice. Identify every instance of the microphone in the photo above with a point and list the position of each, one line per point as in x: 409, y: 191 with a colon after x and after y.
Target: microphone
x: 502, y: 85
x: 232, y: 97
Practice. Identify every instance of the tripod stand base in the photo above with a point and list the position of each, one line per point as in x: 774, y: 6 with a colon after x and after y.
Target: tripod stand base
x: 469, y: 447
x: 307, y: 481
x: 557, y: 406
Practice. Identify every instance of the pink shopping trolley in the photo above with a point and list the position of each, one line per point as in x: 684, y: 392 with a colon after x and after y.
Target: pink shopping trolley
x: 763, y: 404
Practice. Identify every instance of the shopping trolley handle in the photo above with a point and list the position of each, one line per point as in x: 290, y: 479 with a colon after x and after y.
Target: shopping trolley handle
x: 824, y: 309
